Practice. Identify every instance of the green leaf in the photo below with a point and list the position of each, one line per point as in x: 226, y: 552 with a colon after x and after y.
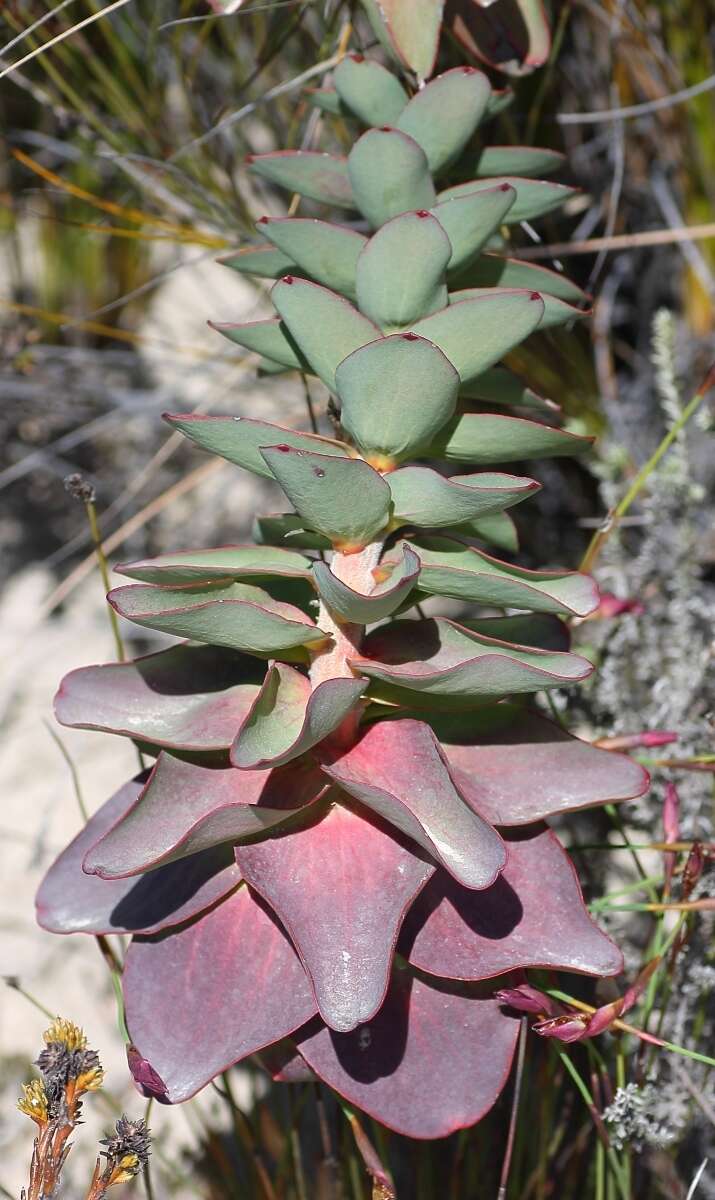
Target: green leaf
x: 327, y: 253
x: 542, y: 631
x: 269, y: 338
x: 497, y: 529
x: 287, y: 718
x: 322, y: 177
x: 409, y: 30
x: 239, y: 439
x: 524, y: 161
x: 488, y: 438
x: 499, y: 385
x: 370, y: 91
x: 327, y: 100
x: 440, y: 662
x: 442, y: 116
x: 225, y: 562
x: 421, y: 496
x: 476, y: 333
x: 469, y: 221
x: 389, y: 175
x: 396, y: 394
x: 400, y: 272
x: 345, y: 499
x: 325, y: 326
x: 498, y: 102
x: 385, y: 598
x: 265, y: 261
x: 534, y: 197
x: 491, y: 270
x: 450, y: 568
x: 275, y: 529
x: 236, y: 615
x: 556, y: 312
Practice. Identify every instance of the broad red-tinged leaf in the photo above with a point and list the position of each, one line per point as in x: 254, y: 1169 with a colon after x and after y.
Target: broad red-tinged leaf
x: 269, y: 338
x: 397, y: 769
x: 534, y: 197
x: 322, y: 177
x: 439, y: 661
x: 219, y: 989
x: 409, y: 29
x: 475, y: 334
x: 288, y: 718
x: 433, y: 1060
x: 279, y: 529
x: 542, y: 630
x: 325, y: 325
x: 400, y: 274
x: 343, y: 498
x: 549, y: 771
x: 501, y: 386
x: 390, y: 175
x: 556, y: 312
x: 237, y: 615
x: 469, y: 221
x: 421, y: 496
x: 264, y: 261
x: 525, y: 161
x: 185, y: 698
x: 532, y: 915
x: 489, y: 438
x: 185, y: 808
x: 341, y: 887
x: 369, y: 90
x: 327, y: 253
x: 70, y: 901
x: 491, y: 270
x: 239, y: 439
x: 385, y: 598
x: 327, y: 100
x: 512, y: 35
x: 224, y: 562
x: 450, y: 568
x: 442, y: 116
x: 498, y: 529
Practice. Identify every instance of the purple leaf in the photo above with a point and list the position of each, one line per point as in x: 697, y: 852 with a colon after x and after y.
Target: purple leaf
x: 185, y: 808
x: 433, y: 1060
x: 547, y: 771
x: 533, y: 915
x: 185, y: 698
x: 341, y: 887
x: 70, y: 901
x: 398, y: 770
x: 223, y: 987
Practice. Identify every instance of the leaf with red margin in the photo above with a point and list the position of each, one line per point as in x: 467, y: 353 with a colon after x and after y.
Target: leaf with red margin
x: 70, y: 901
x: 397, y: 769
x: 549, y: 771
x: 199, y: 999
x: 396, y: 582
x: 434, y: 1059
x: 185, y: 808
x: 513, y: 36
x: 322, y: 177
x: 288, y: 717
x: 185, y: 698
x: 221, y: 562
x: 533, y: 915
x: 341, y: 886
x: 409, y: 29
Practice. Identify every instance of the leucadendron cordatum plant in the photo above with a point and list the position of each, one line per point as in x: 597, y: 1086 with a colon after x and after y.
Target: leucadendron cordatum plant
x: 341, y: 852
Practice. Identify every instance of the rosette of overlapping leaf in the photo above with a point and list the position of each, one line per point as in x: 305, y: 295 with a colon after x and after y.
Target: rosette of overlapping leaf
x: 341, y: 847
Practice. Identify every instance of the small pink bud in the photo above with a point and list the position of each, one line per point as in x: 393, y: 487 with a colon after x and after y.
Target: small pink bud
x: 525, y: 998
x: 147, y: 1080
x: 616, y: 606
x: 288, y: 279
x: 693, y: 869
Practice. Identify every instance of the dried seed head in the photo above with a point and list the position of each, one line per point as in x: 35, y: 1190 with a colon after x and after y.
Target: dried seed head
x: 79, y: 488
x: 127, y: 1151
x: 33, y: 1102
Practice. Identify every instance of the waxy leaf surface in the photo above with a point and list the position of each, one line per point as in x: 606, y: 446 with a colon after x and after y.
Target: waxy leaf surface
x: 524, y: 161
x: 268, y: 338
x: 549, y: 772
x: 500, y: 386
x: 239, y: 439
x: 442, y: 116
x: 185, y: 698
x: 326, y: 327
x: 345, y: 499
x: 278, y: 529
x: 469, y: 221
x: 369, y: 90
x: 322, y: 177
x: 327, y: 253
x: 556, y: 312
x: 513, y: 35
x: 532, y: 915
x: 497, y: 529
x: 409, y: 31
x: 385, y: 598
x: 400, y: 272
x: 265, y: 261
x: 71, y: 901
x: 489, y: 438
x: 534, y: 197
x: 397, y: 770
x: 421, y: 496
x: 212, y: 993
x: 389, y: 174
x: 288, y: 718
x: 491, y: 270
x: 185, y: 808
x: 475, y: 334
x: 396, y: 394
x: 224, y: 562
x: 449, y: 568
x: 341, y: 886
x: 236, y: 615
x: 433, y: 1060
